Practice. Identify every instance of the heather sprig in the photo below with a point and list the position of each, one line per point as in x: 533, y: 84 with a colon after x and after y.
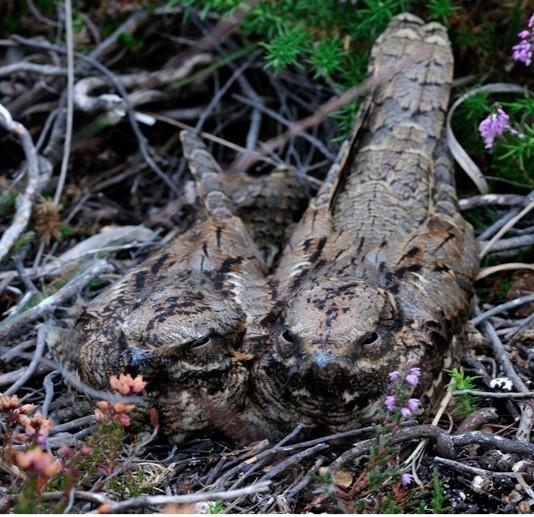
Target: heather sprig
x: 523, y: 50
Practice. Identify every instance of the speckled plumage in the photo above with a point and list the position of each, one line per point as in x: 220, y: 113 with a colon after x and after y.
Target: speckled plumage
x: 378, y: 275
x: 179, y: 318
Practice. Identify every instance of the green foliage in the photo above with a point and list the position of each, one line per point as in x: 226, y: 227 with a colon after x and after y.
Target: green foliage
x: 286, y: 48
x: 374, y: 15
x: 439, y: 499
x: 216, y: 507
x: 327, y: 56
x: 463, y: 404
x: 441, y: 10
x: 130, y: 42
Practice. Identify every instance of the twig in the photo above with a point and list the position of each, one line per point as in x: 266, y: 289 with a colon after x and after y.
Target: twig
x: 16, y: 324
x: 462, y: 467
x: 28, y: 372
x: 70, y: 102
x: 487, y: 271
x: 498, y: 224
x: 506, y: 227
x: 527, y: 321
x: 524, y: 241
x: 496, y: 394
x: 502, y: 308
x: 25, y: 200
x: 32, y: 68
x: 84, y: 421
x: 150, y: 500
x: 493, y: 199
x: 48, y: 386
x: 295, y: 458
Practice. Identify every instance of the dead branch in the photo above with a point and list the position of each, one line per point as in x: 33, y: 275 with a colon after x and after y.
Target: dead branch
x: 493, y: 199
x: 462, y: 467
x: 29, y: 371
x: 156, y: 500
x: 502, y: 308
x: 24, y: 201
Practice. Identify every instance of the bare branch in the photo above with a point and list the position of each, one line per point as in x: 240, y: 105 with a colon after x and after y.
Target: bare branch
x: 24, y: 201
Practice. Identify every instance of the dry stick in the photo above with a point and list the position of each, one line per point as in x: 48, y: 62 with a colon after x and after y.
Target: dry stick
x: 506, y: 227
x: 16, y: 324
x: 334, y: 104
x: 527, y: 321
x: 498, y: 224
x: 487, y: 271
x: 496, y: 394
x: 25, y: 200
x: 445, y: 442
x: 503, y: 307
x: 70, y: 103
x: 77, y: 423
x: 524, y: 241
x: 150, y: 500
x: 266, y: 454
x: 493, y: 199
x: 48, y: 386
x: 462, y: 467
x: 257, y: 458
x: 32, y: 68
x: 29, y: 371
x: 295, y: 458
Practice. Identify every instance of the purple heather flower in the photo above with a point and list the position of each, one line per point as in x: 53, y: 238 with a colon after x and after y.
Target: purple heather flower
x: 523, y: 51
x: 406, y: 479
x: 405, y: 412
x: 413, y: 377
x: 393, y: 376
x: 413, y: 404
x: 390, y: 402
x: 494, y: 126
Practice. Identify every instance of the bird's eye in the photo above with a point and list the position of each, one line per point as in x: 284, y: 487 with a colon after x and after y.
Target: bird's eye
x: 199, y: 342
x: 371, y: 339
x: 288, y: 336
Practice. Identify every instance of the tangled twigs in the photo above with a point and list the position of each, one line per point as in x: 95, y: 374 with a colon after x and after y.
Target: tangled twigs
x: 154, y: 500
x: 334, y: 104
x: 445, y: 443
x: 527, y: 413
x: 16, y: 324
x: 24, y: 200
x: 117, y: 84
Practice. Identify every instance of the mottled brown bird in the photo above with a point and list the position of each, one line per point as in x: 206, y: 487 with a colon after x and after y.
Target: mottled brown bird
x: 179, y: 318
x: 378, y: 276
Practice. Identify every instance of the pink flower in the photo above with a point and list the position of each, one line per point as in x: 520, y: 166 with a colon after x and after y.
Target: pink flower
x: 406, y: 479
x: 390, y: 402
x: 413, y: 404
x: 524, y: 49
x: 405, y: 412
x: 393, y: 376
x: 494, y: 126
x: 413, y: 377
